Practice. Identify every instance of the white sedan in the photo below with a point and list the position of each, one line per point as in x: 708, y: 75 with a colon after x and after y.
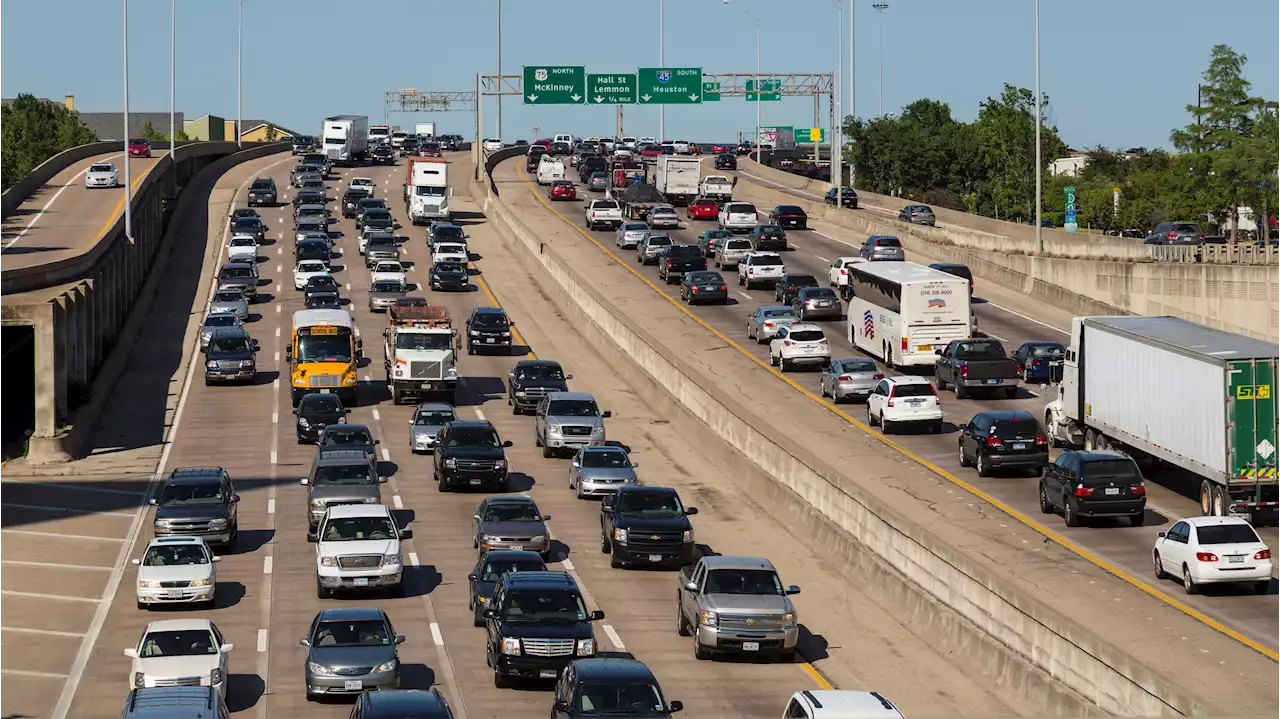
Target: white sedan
x: 307, y: 269
x: 1212, y: 550
x: 180, y: 649
x: 243, y: 248
x: 800, y: 343
x: 492, y: 144
x: 365, y: 183
x: 101, y: 174
x: 449, y: 252
x: 389, y: 271
x: 182, y: 562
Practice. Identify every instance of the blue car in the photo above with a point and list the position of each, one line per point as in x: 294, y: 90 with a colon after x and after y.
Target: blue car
x: 1040, y: 362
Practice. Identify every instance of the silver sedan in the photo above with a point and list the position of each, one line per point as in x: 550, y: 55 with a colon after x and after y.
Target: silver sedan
x: 664, y: 216
x: 630, y: 234
x: 428, y: 419
x: 765, y: 322
x: 850, y: 378
x: 230, y: 302
x: 217, y: 321
x: 600, y: 470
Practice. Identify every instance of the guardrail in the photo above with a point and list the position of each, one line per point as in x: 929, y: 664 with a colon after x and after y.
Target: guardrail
x: 1238, y: 254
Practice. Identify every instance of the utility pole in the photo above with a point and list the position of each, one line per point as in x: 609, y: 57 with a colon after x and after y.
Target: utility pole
x: 662, y: 59
x: 1039, y: 188
x: 128, y: 177
x: 173, y: 62
x: 498, y: 97
x: 880, y: 8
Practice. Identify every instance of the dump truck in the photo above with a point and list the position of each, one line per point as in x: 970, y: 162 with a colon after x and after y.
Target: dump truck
x: 420, y: 353
x: 1180, y: 394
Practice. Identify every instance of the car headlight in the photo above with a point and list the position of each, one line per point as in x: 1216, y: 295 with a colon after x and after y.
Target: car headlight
x: 521, y: 393
x: 506, y: 334
x: 148, y: 585
x: 201, y: 582
x: 215, y: 676
x: 162, y: 522
x: 399, y: 372
x: 391, y: 559
x: 302, y: 422
x: 482, y: 599
x: 450, y: 463
x: 489, y: 538
x: 328, y: 561
x: 139, y: 680
x: 538, y: 539
x: 246, y: 363
x: 387, y: 666
x: 451, y: 372
x: 317, y: 503
x: 708, y: 618
x: 318, y: 669
x: 500, y: 464
x: 475, y: 333
x: 586, y: 647
x: 371, y: 500
x: 620, y: 536
x: 553, y: 429
x: 688, y: 536
x: 218, y: 521
x: 510, y: 646
x: 343, y: 420
x: 211, y: 364
x: 597, y: 430
x: 789, y: 620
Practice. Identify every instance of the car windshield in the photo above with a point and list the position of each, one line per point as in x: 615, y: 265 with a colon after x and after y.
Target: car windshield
x: 737, y: 244
x: 365, y: 633
x: 624, y: 699
x: 921, y: 389
x: 606, y: 459
x: 235, y: 273
x: 659, y: 240
x: 192, y: 494
x: 1226, y: 534
x: 742, y: 581
x: 228, y: 296
x: 806, y: 336
x: 346, y: 437
x: 314, y: 266
x: 320, y: 404
x: 451, y: 248
x: 532, y: 606
x: 220, y: 321
x: 102, y: 168
x: 771, y: 231
x: 717, y: 234
x: 493, y: 570
x: 543, y: 373
x: 324, y: 282
x: 414, y: 341
x: 511, y: 512
x: 323, y: 348
x: 789, y: 210
x: 392, y: 267
x: 489, y: 320
x: 432, y: 417
x: 651, y: 503
x: 1186, y: 227
x: 387, y: 286
x: 453, y: 267
x: 979, y: 350
x: 606, y: 205
x: 573, y: 408
x: 819, y: 293
x: 766, y: 260
x: 243, y: 242
x: 778, y: 314
x: 260, y: 185
x: 229, y: 344
x: 473, y: 437
x: 1047, y: 351
x: 377, y: 215
x: 355, y: 529
x: 1122, y: 469
x: 425, y: 191
x: 186, y: 643
x: 343, y: 474
x: 634, y: 227
x: 1018, y: 428
x: 175, y: 555
x: 696, y: 277
x: 887, y: 242
x: 447, y: 233
x: 741, y: 209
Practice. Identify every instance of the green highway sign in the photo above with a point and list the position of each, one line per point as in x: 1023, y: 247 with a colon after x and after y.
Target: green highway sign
x: 555, y: 84
x: 613, y: 89
x: 810, y: 135
x: 711, y: 91
x: 770, y: 90
x: 670, y: 85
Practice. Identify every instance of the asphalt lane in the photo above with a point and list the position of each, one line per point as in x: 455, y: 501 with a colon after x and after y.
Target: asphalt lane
x: 811, y: 251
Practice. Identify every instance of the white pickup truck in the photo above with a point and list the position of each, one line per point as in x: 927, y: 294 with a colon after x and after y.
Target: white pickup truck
x: 738, y: 217
x: 603, y: 213
x: 760, y: 268
x: 358, y: 547
x: 717, y: 187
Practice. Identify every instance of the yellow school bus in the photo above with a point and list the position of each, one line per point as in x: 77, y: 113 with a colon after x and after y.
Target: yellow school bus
x: 323, y: 354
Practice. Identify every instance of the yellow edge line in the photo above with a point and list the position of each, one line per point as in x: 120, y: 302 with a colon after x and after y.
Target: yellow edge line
x: 1024, y: 519
x: 820, y: 680
x: 115, y: 214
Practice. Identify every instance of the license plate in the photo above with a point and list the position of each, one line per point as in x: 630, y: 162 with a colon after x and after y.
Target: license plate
x: 173, y: 595
x: 547, y: 674
x: 992, y: 381
x: 362, y: 581
x: 1235, y: 558
x: 655, y: 557
x: 924, y: 348
x: 751, y: 646
x: 1112, y: 490
x: 915, y: 402
x: 353, y: 685
x: 1019, y: 445
x: 324, y: 391
x: 808, y: 350
x: 490, y: 340
x: 475, y: 482
x: 517, y: 547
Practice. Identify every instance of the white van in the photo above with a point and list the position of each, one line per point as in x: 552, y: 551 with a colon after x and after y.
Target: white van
x: 566, y: 139
x: 550, y: 169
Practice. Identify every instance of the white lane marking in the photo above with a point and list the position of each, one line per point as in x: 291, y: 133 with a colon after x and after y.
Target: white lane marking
x: 51, y: 632
x: 262, y: 640
x: 567, y: 564
x: 744, y: 295
x: 279, y: 250
x: 348, y: 287
x: 365, y: 378
x: 55, y: 535
x: 273, y: 456
x: 36, y: 675
x: 479, y: 414
x: 59, y: 485
x: 279, y: 268
x: 271, y: 506
x: 397, y: 502
x: 357, y: 329
x: 39, y: 595
x: 277, y: 309
x: 277, y: 290
x: 68, y: 510
x: 413, y: 559
x: 275, y: 418
x: 820, y: 257
x: 376, y: 417
x: 266, y: 564
x: 1029, y: 319
x: 275, y: 384
x: 277, y: 332
x: 49, y: 204
x: 276, y: 357
x: 435, y: 635
x: 386, y: 455
x: 55, y: 565
x: 613, y: 637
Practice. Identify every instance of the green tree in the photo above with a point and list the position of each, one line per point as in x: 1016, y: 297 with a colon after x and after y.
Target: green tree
x: 32, y: 131
x: 155, y: 135
x: 272, y: 133
x: 1005, y: 152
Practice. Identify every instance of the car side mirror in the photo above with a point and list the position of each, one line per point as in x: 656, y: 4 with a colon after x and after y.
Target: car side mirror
x: 1160, y: 535
x: 561, y: 705
x: 606, y: 414
x: 406, y: 533
x: 399, y: 639
x: 691, y: 586
x: 346, y: 411
x: 226, y: 648
x: 568, y: 377
x: 546, y: 517
x: 938, y: 352
x: 675, y: 706
x: 153, y: 500
x: 216, y: 558
x: 312, y: 537
x: 131, y: 652
x: 304, y: 641
x: 490, y: 613
x: 295, y: 411
x: 576, y: 462
x: 606, y: 509
x: 235, y: 498
x: 690, y: 511
x: 793, y: 589
x: 597, y: 615
x: 303, y: 480
x: 139, y: 561
x: 507, y: 443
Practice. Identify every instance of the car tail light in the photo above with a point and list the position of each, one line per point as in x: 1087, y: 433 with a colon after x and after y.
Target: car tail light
x: 1041, y: 439
x: 724, y: 288
x: 844, y: 272
x: 1200, y: 236
x: 877, y: 375
x: 994, y: 441
x: 904, y: 344
x: 787, y: 343
x: 1172, y: 235
x: 1206, y: 556
x: 670, y: 264
x: 822, y: 341
x: 1138, y: 489
x: 1084, y: 491
x: 890, y: 402
x: 1263, y: 554
x: 846, y: 378
x: 964, y: 370
x: 693, y: 289
x: 1035, y: 363
x: 768, y: 324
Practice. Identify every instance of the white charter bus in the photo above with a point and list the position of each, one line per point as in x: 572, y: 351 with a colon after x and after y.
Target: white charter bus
x: 901, y: 312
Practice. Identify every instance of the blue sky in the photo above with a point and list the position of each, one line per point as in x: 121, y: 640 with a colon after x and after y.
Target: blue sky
x: 1118, y: 72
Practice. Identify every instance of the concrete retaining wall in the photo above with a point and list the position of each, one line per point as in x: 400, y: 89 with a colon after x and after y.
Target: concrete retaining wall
x: 1057, y: 665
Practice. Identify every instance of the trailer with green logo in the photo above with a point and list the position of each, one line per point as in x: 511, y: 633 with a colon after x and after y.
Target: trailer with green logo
x: 1179, y: 393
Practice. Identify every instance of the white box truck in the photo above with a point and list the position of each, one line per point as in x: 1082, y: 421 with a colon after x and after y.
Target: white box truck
x: 425, y: 129
x: 1181, y: 394
x: 427, y: 190
x: 677, y: 179
x: 346, y: 139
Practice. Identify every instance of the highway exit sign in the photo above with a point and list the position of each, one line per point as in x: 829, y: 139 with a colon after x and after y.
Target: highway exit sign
x: 555, y: 85
x: 711, y: 91
x: 770, y: 90
x: 810, y: 135
x: 611, y: 89
x: 670, y: 85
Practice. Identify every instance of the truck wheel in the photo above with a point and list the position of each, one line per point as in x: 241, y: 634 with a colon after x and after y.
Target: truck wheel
x: 1091, y: 443
x: 1219, y: 502
x: 614, y: 562
x: 546, y: 451
x: 700, y: 652
x: 939, y: 383
x: 1206, y: 498
x: 962, y: 392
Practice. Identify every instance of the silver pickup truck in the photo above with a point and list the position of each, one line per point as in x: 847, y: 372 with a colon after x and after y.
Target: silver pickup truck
x: 737, y: 605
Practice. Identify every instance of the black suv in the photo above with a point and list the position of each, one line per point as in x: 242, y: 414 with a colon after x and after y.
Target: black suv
x: 536, y: 624
x: 348, y: 436
x: 401, y: 703
x: 676, y: 260
x: 726, y: 161
x: 303, y: 144
x: 489, y: 328
x: 382, y: 155
x: 262, y: 192
x: 1093, y: 483
x: 530, y: 380
x: 198, y: 502
x: 767, y: 238
x: 1006, y: 438
x: 484, y: 577
x: 848, y: 198
x: 229, y: 356
x: 469, y: 453
x: 789, y: 286
x: 646, y: 525
x: 321, y: 290
x: 613, y: 687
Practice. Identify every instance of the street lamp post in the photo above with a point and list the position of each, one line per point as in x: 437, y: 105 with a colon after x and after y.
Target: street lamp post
x: 837, y: 156
x: 498, y: 97
x: 239, y: 53
x: 853, y: 98
x: 1039, y: 187
x: 662, y: 59
x: 880, y: 8
x: 756, y: 20
x: 128, y: 177
x: 173, y: 62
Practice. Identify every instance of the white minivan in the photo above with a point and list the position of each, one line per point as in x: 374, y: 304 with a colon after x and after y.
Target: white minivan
x: 550, y: 169
x: 566, y: 139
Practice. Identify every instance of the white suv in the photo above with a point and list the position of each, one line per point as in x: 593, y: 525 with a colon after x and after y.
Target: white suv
x: 180, y: 652
x: 903, y: 400
x: 760, y: 268
x: 839, y: 704
x: 358, y: 547
x: 176, y: 570
x: 801, y: 343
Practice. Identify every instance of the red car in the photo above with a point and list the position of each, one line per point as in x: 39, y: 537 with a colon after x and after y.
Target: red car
x: 704, y: 208
x: 717, y: 149
x: 140, y: 148
x: 650, y: 151
x: 543, y: 143
x: 563, y: 190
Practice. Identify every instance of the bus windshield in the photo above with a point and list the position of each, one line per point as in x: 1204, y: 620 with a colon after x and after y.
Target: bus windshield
x: 323, y: 348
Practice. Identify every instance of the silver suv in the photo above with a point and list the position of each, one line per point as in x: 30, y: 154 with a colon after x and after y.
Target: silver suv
x: 883, y: 248
x: 340, y: 476
x: 567, y: 421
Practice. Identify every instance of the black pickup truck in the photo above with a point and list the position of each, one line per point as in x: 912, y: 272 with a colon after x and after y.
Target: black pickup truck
x: 976, y: 364
x: 646, y: 525
x: 676, y: 260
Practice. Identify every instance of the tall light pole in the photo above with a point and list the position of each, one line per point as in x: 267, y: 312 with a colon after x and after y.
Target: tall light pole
x: 239, y: 53
x: 880, y: 8
x: 128, y: 177
x: 173, y: 63
x: 498, y: 97
x: 756, y: 20
x: 853, y: 98
x: 662, y: 59
x: 837, y: 156
x: 1039, y: 189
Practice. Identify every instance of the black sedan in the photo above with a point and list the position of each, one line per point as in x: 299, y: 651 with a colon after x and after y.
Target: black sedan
x: 312, y: 250
x: 309, y: 197
x: 848, y: 198
x: 767, y: 238
x: 315, y: 412
x: 789, y: 286
x: 448, y: 276
x: 704, y: 286
x: 1040, y: 362
x: 726, y: 161
x: 382, y: 155
x: 789, y: 216
x: 488, y: 572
